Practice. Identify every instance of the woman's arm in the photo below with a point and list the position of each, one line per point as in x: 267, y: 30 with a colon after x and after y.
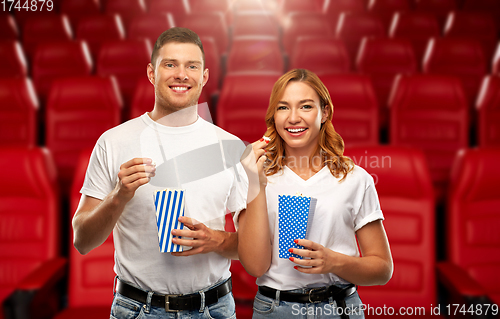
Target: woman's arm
x: 373, y: 268
x: 254, y: 239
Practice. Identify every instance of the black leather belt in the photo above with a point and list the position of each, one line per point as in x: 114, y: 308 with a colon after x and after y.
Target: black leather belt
x: 314, y: 295
x: 175, y: 303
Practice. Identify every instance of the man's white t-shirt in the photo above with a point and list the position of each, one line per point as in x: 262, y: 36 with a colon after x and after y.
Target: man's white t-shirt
x: 200, y: 158
x: 341, y: 209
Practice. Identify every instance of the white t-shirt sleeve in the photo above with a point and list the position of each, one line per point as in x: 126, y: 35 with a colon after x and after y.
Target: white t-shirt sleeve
x: 98, y: 181
x: 369, y: 210
x: 238, y: 195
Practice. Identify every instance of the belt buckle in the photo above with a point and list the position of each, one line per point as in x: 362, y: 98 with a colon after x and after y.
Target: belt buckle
x: 315, y: 290
x: 167, y: 303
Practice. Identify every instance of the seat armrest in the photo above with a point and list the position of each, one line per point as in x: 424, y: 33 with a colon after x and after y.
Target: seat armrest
x: 458, y: 281
x: 31, y: 291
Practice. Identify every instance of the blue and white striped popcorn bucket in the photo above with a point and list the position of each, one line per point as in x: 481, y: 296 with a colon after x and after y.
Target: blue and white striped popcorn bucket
x: 169, y: 204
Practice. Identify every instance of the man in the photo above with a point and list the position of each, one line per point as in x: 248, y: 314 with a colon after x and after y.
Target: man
x: 170, y: 147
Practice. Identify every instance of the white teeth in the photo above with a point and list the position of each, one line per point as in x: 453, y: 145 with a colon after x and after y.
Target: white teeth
x: 179, y: 88
x: 295, y: 130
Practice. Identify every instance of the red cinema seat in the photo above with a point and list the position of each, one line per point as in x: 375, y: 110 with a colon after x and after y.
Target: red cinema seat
x: 385, y: 9
x: 298, y: 24
x: 43, y: 29
x: 210, y: 24
x: 127, y: 61
x: 244, y: 290
x: 472, y: 218
x: 255, y: 23
x: 409, y: 213
x: 488, y: 6
x: 243, y: 103
x: 320, y: 55
x: 12, y: 59
x: 91, y: 276
x: 285, y: 7
x: 150, y: 25
x: 488, y: 112
x: 213, y: 63
x: 333, y: 8
x: 77, y: 9
x: 127, y: 9
x: 9, y: 27
x: 79, y: 110
x: 460, y: 57
x: 96, y: 30
x: 23, y: 16
x: 416, y: 27
x: 496, y: 61
x: 144, y: 101
x: 31, y: 226
x: 355, y: 108
x: 52, y: 60
x: 382, y: 59
x: 18, y: 109
x: 440, y: 8
x: 353, y: 27
x: 179, y: 8
x: 258, y: 53
x: 434, y: 120
x: 478, y: 25
x: 222, y: 6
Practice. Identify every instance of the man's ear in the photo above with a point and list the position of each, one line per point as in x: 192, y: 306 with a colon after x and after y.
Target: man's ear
x: 205, y: 76
x: 151, y: 73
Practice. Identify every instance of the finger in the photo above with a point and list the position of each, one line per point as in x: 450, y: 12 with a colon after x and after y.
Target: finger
x: 307, y: 270
x: 185, y: 233
x: 307, y: 244
x: 137, y: 161
x: 187, y: 242
x: 305, y: 262
x: 191, y: 222
x: 189, y: 252
x: 302, y: 252
x: 128, y: 180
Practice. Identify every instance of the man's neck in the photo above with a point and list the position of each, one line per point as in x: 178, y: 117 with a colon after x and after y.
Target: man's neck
x: 183, y: 117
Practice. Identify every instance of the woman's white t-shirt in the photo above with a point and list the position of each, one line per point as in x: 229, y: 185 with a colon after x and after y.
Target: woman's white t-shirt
x: 341, y: 209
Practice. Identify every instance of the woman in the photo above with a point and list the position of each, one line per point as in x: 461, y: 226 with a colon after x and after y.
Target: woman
x: 304, y: 155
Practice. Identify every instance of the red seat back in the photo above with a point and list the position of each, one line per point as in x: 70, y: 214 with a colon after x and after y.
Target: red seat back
x: 473, y: 217
x: 496, y: 61
x: 286, y: 7
x: 150, y: 25
x: 352, y: 27
x: 488, y: 108
x: 127, y: 61
x: 409, y: 222
x: 12, y: 59
x: 29, y: 206
x: 179, y: 8
x: 213, y: 63
x: 333, y: 8
x: 79, y: 110
x: 321, y: 55
x: 383, y: 59
x: 222, y: 6
x: 478, y: 25
x: 255, y: 23
x: 127, y: 9
x: 243, y: 103
x: 385, y: 9
x: 460, y: 57
x: 77, y: 9
x: 18, y: 109
x: 255, y: 53
x: 356, y: 113
x: 210, y: 24
x: 434, y: 120
x: 9, y: 27
x: 91, y: 275
x: 97, y: 29
x: 51, y: 61
x: 298, y: 24
x: 43, y: 29
x: 416, y: 27
x: 440, y: 8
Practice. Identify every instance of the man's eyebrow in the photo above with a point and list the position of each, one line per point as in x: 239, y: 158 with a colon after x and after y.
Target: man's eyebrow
x: 175, y: 60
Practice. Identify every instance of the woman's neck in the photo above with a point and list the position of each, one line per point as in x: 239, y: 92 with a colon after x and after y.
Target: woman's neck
x: 304, y: 165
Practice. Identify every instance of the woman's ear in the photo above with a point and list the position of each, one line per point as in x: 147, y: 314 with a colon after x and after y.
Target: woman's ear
x: 325, y: 112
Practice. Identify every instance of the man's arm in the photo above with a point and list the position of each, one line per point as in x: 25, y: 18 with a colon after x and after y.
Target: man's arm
x: 95, y: 219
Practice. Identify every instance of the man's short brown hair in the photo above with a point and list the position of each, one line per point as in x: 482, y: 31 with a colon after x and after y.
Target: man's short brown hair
x: 176, y: 34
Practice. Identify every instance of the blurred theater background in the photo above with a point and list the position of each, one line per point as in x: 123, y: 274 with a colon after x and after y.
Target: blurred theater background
x: 416, y: 90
